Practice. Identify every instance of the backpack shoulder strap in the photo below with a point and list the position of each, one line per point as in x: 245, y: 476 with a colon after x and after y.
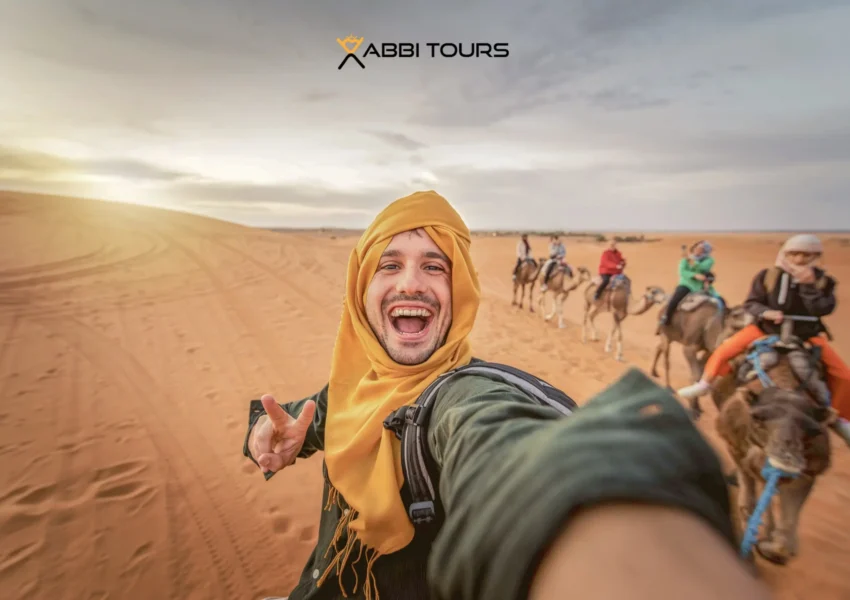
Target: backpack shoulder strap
x: 410, y: 424
x: 771, y: 277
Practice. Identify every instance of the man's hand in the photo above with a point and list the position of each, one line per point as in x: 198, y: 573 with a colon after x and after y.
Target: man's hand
x: 806, y: 276
x: 776, y: 316
x: 277, y: 437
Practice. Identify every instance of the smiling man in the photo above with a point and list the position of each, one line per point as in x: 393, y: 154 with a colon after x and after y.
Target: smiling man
x: 409, y: 300
x: 536, y: 505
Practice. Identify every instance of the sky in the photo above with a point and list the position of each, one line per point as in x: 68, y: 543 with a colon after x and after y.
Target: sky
x: 607, y: 115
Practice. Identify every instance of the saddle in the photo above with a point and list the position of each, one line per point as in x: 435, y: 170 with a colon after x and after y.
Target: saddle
x: 803, y: 358
x: 567, y: 269
x: 694, y: 300
x: 620, y: 281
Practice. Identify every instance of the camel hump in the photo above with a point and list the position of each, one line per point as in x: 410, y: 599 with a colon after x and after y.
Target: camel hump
x: 694, y: 300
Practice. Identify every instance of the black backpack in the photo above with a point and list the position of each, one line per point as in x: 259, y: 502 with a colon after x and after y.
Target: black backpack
x: 410, y: 424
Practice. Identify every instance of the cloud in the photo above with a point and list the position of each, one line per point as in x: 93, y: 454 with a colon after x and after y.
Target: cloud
x: 398, y: 140
x: 22, y: 164
x: 318, y: 96
x: 33, y: 163
x: 283, y: 205
x: 625, y: 99
x: 746, y: 153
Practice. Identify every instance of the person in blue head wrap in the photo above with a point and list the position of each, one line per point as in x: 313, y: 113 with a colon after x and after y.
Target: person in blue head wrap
x: 695, y: 275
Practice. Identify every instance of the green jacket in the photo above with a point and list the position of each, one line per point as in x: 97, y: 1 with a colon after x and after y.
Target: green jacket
x: 687, y: 272
x: 511, y: 472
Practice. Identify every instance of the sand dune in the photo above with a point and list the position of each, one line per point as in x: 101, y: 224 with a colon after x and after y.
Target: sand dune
x: 132, y: 338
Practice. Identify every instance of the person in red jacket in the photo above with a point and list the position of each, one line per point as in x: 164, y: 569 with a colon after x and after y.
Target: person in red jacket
x: 612, y: 263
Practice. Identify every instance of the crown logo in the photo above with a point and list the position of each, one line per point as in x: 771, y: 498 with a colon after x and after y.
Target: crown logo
x: 350, y: 41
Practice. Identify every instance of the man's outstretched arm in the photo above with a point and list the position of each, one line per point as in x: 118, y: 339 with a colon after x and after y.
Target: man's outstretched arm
x: 520, y: 484
x: 641, y: 552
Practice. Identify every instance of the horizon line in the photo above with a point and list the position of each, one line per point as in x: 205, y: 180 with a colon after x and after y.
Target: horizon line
x: 490, y: 230
x: 568, y: 233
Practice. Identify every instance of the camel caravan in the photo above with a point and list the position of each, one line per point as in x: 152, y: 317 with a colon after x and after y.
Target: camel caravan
x: 608, y: 292
x: 776, y: 383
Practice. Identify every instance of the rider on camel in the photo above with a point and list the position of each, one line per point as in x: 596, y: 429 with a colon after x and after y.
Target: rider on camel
x: 695, y: 275
x: 612, y: 263
x: 523, y: 253
x: 801, y: 289
x: 557, y: 253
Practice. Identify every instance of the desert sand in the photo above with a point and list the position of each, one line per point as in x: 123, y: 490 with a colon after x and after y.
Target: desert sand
x: 132, y: 339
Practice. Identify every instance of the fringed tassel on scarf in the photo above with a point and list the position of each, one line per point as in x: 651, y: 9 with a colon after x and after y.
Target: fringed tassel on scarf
x: 370, y: 586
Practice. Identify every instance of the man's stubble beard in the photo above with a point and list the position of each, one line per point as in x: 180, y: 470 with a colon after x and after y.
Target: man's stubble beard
x: 401, y: 357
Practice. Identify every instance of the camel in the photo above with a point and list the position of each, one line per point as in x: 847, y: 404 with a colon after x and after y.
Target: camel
x: 561, y: 284
x: 527, y: 276
x: 785, y: 426
x: 700, y: 326
x: 616, y: 300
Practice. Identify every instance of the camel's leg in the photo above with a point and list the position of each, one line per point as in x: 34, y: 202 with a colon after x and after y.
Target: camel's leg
x: 584, y: 324
x: 784, y: 543
x: 694, y: 362
x: 619, y: 328
x: 612, y: 334
x: 659, y: 350
x: 594, y: 333
x: 516, y: 286
x: 531, y: 297
x: 550, y: 313
x: 690, y: 353
x: 561, y: 299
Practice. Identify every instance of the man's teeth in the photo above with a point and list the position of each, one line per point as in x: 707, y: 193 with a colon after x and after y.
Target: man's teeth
x: 410, y: 312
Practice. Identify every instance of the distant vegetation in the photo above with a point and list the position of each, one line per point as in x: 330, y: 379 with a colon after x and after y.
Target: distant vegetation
x: 334, y: 232
x: 598, y: 237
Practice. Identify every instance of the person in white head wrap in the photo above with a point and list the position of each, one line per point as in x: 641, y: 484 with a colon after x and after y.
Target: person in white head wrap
x: 796, y: 286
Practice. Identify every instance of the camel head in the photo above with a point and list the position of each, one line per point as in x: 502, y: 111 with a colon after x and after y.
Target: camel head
x: 734, y: 320
x: 654, y: 295
x: 783, y: 423
x: 583, y: 274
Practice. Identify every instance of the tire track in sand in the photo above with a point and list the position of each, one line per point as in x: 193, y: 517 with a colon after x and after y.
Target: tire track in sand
x: 237, y: 307
x: 317, y: 306
x: 223, y: 547
x: 97, y: 268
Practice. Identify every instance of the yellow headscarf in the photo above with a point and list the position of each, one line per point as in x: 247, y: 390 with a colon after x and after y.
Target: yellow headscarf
x: 366, y: 385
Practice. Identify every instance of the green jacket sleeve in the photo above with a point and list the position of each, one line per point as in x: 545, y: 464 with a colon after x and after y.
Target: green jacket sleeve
x: 705, y: 265
x: 315, y: 439
x: 685, y: 270
x: 512, y: 472
x: 700, y: 267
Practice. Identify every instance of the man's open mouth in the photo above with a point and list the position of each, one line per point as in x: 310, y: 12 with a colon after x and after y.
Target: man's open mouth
x: 410, y: 322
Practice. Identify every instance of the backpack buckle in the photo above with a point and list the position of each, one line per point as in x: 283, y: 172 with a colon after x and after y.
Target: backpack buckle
x: 395, y: 421
x: 422, y: 512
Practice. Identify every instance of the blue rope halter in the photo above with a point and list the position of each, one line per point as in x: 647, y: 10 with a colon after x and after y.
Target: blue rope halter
x: 760, y: 347
x: 771, y: 475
